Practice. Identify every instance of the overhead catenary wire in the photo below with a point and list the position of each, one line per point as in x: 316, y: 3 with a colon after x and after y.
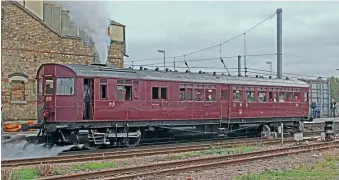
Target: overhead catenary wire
x: 207, y: 48
x: 208, y: 59
x: 222, y: 61
x: 253, y: 71
x: 292, y: 74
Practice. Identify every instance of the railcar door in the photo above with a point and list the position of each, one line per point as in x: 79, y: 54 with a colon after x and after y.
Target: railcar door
x: 88, y: 99
x: 250, y: 103
x: 49, y: 97
x: 297, y: 110
x: 237, y: 102
x: 273, y: 99
x: 224, y: 92
x: 290, y: 103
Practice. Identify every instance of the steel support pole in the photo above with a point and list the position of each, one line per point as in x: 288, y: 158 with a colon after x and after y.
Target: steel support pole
x: 239, y: 65
x: 164, y: 61
x: 279, y: 43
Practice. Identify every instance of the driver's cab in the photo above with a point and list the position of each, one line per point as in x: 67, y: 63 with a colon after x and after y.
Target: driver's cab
x: 46, y: 98
x: 56, y: 100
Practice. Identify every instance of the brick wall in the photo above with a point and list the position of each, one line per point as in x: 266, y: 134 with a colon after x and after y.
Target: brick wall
x: 26, y: 44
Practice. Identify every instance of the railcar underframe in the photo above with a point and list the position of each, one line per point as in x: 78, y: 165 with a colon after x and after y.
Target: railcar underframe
x: 123, y: 133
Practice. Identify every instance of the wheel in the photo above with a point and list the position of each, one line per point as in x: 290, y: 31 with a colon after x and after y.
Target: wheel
x: 131, y: 142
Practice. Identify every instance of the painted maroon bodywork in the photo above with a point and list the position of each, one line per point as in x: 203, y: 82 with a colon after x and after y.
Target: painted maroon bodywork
x: 69, y: 108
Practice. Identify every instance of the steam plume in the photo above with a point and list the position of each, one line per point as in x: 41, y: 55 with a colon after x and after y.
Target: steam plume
x: 93, y: 18
x: 21, y: 150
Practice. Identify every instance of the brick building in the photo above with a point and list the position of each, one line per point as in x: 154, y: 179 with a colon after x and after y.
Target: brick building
x: 36, y: 32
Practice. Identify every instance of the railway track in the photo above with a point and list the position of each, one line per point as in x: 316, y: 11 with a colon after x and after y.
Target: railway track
x: 134, y: 153
x: 193, y: 164
x: 178, y: 143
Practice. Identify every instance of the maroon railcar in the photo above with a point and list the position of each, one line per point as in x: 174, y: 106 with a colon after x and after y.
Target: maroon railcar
x: 102, y: 105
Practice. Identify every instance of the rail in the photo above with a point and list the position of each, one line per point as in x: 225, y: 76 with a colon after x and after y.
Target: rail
x: 193, y: 164
x: 133, y: 153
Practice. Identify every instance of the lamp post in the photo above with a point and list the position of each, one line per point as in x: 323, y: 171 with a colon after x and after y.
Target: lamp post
x: 270, y: 63
x: 163, y: 51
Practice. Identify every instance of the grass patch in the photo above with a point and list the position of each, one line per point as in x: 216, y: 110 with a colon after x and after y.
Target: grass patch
x: 326, y: 169
x: 88, y: 166
x: 25, y: 174
x: 93, y: 166
x: 33, y: 173
x: 218, y: 151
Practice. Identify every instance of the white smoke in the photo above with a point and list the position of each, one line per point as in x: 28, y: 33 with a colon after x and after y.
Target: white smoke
x: 93, y: 18
x: 22, y: 150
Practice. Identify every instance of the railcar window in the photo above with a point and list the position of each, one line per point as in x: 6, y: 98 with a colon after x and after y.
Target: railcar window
x: 262, y: 96
x: 289, y: 97
x: 120, y: 92
x: 272, y: 96
x: 237, y: 95
x: 155, y: 93
x: 198, y: 94
x: 297, y: 96
x: 189, y: 94
x: 128, y: 93
x: 121, y: 81
x: 48, y: 86
x: 306, y: 97
x: 182, y: 94
x: 65, y: 86
x: 163, y: 93
x: 103, y: 88
x: 224, y: 95
x: 210, y: 94
x: 282, y: 96
x: 250, y: 97
x: 40, y: 86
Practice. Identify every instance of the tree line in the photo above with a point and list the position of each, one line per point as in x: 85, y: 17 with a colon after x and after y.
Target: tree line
x: 334, y: 88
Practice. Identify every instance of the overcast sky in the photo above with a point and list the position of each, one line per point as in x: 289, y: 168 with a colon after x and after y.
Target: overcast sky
x: 310, y: 34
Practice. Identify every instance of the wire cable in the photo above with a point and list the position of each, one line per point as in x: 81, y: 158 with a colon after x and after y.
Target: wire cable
x: 206, y: 59
x: 227, y: 41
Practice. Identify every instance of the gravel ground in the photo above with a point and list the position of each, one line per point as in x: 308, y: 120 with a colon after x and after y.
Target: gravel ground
x: 229, y: 172
x: 138, y: 161
x: 215, y: 174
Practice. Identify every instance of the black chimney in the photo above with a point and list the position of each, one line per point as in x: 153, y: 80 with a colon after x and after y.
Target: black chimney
x: 96, y: 60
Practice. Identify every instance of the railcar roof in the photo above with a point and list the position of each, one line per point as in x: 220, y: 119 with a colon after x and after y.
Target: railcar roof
x: 102, y: 71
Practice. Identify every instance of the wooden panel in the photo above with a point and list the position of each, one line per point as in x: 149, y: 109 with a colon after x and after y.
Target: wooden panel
x: 67, y: 27
x: 116, y: 33
x: 52, y: 15
x: 22, y: 2
x: 36, y: 7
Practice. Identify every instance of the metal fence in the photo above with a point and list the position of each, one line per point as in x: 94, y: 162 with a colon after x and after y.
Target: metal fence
x: 321, y: 94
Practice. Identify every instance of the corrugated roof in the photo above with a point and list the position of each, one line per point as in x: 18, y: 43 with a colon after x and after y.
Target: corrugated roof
x: 116, y: 23
x: 102, y: 71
